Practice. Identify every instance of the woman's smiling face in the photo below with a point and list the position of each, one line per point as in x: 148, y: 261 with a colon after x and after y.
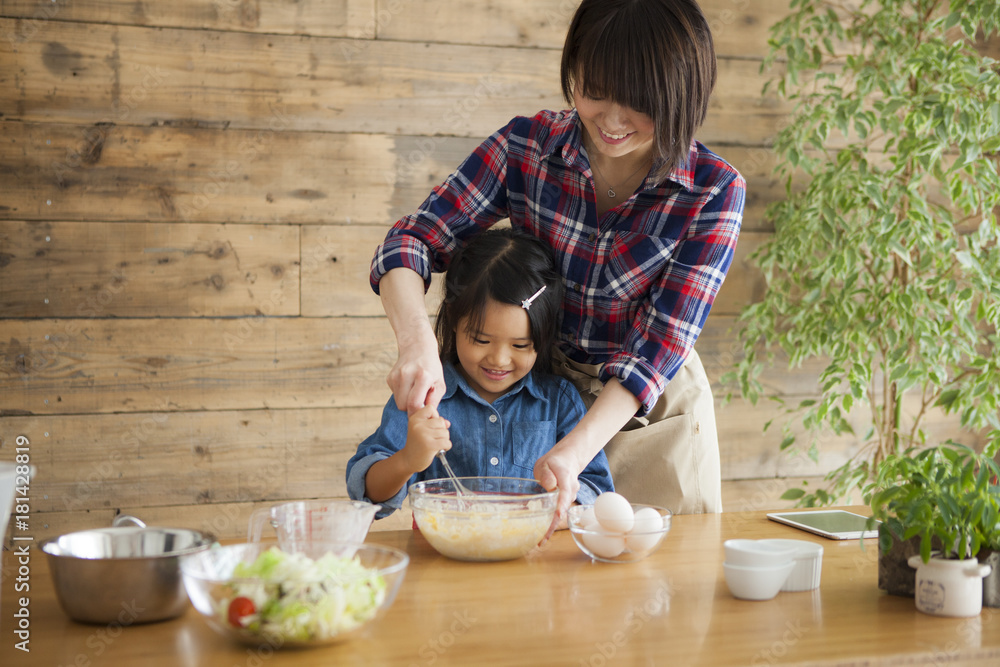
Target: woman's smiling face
x: 614, y: 130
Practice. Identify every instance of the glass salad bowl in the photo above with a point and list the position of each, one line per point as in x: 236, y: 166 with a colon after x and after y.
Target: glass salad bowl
x: 303, y: 593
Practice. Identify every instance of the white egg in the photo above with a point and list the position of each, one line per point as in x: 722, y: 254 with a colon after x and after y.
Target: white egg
x: 614, y: 512
x: 604, y: 545
x: 587, y: 516
x: 647, y: 520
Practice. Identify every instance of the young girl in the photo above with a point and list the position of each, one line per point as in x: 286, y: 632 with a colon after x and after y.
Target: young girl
x: 501, y: 410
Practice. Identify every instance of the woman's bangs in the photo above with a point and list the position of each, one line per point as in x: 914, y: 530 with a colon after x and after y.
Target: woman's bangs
x: 614, y: 67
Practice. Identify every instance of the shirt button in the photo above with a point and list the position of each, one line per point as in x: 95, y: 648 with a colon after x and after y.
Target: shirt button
x: 592, y: 238
x: 493, y: 419
x: 494, y: 460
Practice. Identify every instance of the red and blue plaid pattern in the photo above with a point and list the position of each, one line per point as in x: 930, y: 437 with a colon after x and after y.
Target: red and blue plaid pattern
x: 640, y: 281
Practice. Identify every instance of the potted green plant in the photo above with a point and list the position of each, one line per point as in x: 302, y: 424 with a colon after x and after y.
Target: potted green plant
x: 941, y: 503
x: 883, y: 261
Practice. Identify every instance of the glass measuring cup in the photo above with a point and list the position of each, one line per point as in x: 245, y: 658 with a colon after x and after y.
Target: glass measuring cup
x: 314, y: 520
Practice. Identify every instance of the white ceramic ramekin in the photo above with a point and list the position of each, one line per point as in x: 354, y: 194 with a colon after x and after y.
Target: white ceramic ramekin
x: 808, y: 568
x: 756, y: 583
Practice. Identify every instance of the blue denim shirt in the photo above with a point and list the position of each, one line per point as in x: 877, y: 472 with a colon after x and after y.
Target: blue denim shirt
x: 499, y: 439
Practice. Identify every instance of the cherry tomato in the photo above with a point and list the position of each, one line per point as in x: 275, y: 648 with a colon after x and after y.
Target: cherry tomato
x: 238, y: 609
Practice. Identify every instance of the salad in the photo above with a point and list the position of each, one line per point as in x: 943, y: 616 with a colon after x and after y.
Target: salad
x: 291, y: 597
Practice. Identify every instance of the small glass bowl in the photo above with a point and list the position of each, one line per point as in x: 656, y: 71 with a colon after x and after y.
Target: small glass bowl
x: 609, y: 547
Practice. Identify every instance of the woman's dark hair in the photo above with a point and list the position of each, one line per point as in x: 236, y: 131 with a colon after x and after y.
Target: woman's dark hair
x: 507, y: 266
x: 654, y: 56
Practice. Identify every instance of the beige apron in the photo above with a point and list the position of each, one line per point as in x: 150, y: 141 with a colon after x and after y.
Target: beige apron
x: 670, y: 457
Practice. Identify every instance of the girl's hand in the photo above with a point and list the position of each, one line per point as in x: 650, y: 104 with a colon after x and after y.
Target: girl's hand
x: 426, y: 435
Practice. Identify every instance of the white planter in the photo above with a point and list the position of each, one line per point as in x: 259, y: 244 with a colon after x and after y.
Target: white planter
x: 949, y: 587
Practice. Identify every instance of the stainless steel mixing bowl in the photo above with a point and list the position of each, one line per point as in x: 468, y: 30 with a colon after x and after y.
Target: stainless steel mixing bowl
x: 122, y: 574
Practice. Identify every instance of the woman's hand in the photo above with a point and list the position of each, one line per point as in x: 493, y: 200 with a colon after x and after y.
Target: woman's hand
x: 417, y: 378
x: 560, y: 468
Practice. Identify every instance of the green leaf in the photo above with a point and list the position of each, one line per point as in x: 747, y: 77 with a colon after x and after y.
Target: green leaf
x: 899, y: 372
x: 901, y: 252
x: 947, y: 398
x: 793, y: 494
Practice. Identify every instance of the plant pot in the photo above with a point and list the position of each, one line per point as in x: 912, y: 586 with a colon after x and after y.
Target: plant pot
x: 949, y: 587
x: 895, y: 576
x: 991, y: 582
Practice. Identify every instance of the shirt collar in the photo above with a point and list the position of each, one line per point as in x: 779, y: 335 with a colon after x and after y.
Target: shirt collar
x: 454, y: 381
x: 566, y: 139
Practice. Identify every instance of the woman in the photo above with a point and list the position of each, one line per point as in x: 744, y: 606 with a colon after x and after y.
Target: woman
x: 643, y: 221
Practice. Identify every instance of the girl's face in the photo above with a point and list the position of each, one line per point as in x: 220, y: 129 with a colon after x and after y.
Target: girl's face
x: 614, y: 130
x: 492, y: 360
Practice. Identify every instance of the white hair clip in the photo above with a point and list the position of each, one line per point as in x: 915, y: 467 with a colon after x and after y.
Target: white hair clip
x: 526, y: 304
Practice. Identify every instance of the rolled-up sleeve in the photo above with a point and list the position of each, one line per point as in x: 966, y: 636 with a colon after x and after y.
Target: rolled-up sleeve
x: 376, y: 447
x: 471, y: 199
x: 400, y: 250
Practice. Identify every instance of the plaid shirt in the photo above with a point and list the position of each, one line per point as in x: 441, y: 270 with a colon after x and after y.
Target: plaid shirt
x: 639, y: 281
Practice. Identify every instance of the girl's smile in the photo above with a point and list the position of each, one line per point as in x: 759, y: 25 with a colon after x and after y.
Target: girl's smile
x: 494, y: 359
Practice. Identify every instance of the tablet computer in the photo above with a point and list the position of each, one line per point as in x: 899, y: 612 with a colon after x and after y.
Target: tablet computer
x: 833, y: 524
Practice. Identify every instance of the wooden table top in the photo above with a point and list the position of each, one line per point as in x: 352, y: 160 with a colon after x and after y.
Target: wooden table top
x: 557, y: 607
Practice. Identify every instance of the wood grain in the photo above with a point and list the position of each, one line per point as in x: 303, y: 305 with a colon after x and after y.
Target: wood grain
x: 174, y: 458
x: 56, y: 366
x: 336, y: 262
x: 335, y: 18
x: 59, y: 269
x: 739, y: 27
x: 187, y: 174
x: 565, y: 610
x: 96, y: 73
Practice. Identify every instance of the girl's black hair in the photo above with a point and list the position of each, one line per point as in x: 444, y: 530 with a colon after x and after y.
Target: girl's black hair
x: 507, y: 266
x: 654, y: 56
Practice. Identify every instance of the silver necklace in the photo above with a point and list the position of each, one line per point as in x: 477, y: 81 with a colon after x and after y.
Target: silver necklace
x: 611, y: 189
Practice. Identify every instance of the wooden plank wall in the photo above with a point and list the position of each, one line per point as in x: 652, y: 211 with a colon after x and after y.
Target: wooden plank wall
x: 190, y: 194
